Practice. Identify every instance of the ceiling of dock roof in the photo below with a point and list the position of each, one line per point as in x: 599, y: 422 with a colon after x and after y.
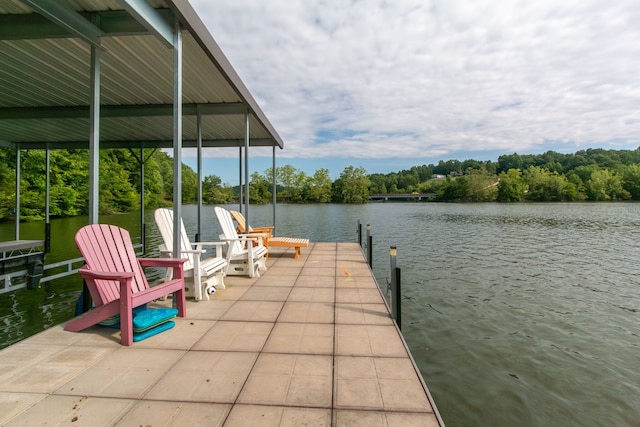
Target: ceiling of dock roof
x: 45, y: 79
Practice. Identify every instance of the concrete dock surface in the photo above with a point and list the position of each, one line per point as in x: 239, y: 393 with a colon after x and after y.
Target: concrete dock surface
x: 309, y: 343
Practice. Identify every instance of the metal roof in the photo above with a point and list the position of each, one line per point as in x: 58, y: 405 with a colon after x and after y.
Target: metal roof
x: 45, y: 77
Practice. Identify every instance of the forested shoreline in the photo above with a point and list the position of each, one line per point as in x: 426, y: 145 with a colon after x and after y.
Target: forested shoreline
x: 586, y: 175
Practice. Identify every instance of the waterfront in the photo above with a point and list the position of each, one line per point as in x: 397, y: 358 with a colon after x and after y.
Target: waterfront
x: 521, y: 314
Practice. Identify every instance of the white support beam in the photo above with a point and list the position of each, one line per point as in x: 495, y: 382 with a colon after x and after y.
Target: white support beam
x: 112, y: 23
x: 246, y: 171
x: 158, y: 143
x: 274, y: 184
x: 146, y: 110
x: 177, y: 139
x: 18, y: 167
x: 199, y: 140
x: 150, y: 19
x: 68, y: 19
x: 94, y: 136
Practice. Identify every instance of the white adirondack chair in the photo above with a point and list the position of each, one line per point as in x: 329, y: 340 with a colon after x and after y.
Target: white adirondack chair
x: 243, y: 257
x: 202, y: 276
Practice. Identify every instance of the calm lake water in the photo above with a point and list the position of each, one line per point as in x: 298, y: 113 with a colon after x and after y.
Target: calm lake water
x: 517, y: 314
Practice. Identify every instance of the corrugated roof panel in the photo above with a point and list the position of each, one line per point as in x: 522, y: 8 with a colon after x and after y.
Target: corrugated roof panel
x: 45, y: 130
x: 223, y: 127
x: 11, y: 7
x: 136, y: 129
x: 228, y: 127
x: 136, y: 70
x: 256, y: 129
x: 202, y: 81
x: 44, y: 72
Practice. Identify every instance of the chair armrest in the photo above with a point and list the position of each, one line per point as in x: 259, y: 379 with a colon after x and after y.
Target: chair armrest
x: 253, y: 237
x: 208, y: 243
x: 239, y: 239
x: 267, y: 230
x: 177, y: 264
x: 162, y: 262
x: 218, y: 245
x: 192, y: 251
x: 257, y: 235
x: 106, y: 275
x: 187, y: 251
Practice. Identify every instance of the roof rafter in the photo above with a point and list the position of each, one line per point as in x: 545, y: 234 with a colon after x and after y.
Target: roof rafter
x: 186, y: 143
x: 112, y: 23
x: 226, y: 108
x: 150, y: 19
x: 68, y: 19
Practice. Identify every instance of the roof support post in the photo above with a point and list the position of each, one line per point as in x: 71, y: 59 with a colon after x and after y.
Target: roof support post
x: 143, y: 226
x: 94, y: 136
x: 246, y: 171
x: 17, y: 231
x: 240, y: 196
x: 47, y: 196
x: 199, y: 136
x: 177, y: 138
x: 273, y: 181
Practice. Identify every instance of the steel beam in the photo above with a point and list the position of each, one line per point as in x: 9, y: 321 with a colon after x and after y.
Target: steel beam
x: 163, y: 143
x: 68, y: 19
x: 17, y: 208
x: 240, y: 182
x: 94, y: 136
x: 246, y: 173
x: 112, y: 23
x: 275, y: 186
x: 150, y: 19
x: 177, y: 139
x: 199, y: 140
x: 145, y: 110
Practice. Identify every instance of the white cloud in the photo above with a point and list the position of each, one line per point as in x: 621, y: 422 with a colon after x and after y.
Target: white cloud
x: 429, y: 79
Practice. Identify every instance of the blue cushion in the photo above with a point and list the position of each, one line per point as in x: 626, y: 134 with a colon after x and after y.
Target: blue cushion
x: 114, y: 321
x: 152, y: 317
x: 138, y: 336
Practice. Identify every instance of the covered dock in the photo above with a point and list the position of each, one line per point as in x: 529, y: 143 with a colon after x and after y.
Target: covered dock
x: 131, y: 74
x: 301, y: 344
x: 304, y: 344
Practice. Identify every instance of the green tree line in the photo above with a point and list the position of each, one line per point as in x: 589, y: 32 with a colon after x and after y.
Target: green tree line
x: 69, y: 182
x: 120, y: 183
x: 592, y: 174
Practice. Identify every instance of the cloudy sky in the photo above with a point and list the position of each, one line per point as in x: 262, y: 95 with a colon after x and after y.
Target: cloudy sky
x: 390, y: 84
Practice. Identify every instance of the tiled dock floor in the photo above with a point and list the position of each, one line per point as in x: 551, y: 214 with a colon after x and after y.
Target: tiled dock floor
x: 308, y: 343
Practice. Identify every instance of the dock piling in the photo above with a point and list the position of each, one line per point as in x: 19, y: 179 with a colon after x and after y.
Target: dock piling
x: 369, y: 246
x: 396, y: 296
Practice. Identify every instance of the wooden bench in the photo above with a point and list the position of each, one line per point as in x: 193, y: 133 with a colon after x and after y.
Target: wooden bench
x: 267, y: 235
x: 289, y: 242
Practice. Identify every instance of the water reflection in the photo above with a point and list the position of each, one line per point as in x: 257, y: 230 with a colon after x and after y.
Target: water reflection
x: 521, y: 314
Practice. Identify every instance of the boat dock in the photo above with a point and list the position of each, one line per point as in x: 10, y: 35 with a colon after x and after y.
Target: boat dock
x: 310, y: 342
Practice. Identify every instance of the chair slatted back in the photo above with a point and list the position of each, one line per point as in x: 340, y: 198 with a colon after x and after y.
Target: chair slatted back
x: 164, y: 221
x: 241, y: 222
x: 109, y: 248
x: 228, y: 229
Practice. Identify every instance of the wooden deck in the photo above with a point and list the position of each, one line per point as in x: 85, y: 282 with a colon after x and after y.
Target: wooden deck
x: 310, y: 342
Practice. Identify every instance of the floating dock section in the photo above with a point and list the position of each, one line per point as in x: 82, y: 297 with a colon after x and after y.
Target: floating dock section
x: 310, y: 342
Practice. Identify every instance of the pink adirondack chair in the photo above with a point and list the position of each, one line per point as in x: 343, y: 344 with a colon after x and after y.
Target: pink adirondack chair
x: 116, y: 280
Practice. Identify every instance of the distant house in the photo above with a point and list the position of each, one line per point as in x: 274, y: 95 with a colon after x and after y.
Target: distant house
x: 454, y: 174
x: 437, y: 176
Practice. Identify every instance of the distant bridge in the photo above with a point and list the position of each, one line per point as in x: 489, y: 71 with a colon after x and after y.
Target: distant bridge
x: 402, y: 196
